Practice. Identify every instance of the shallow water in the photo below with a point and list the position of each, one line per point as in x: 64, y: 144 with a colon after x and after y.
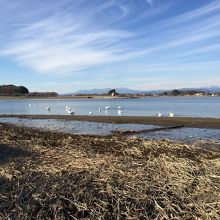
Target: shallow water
x: 93, y: 128
x: 185, y: 134
x: 181, y: 106
x: 74, y: 127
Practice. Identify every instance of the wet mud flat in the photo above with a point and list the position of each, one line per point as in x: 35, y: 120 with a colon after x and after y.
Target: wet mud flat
x: 148, y: 131
x: 161, y: 121
x: 51, y: 175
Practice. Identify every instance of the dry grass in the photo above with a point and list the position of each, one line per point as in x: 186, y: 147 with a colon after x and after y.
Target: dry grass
x: 44, y: 175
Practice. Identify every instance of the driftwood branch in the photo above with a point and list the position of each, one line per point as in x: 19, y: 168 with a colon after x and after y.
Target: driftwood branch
x: 146, y: 130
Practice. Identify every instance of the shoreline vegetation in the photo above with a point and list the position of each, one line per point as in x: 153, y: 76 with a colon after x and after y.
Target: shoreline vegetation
x: 53, y: 95
x: 51, y: 175
x: 98, y: 96
x: 21, y: 92
x: 163, y: 121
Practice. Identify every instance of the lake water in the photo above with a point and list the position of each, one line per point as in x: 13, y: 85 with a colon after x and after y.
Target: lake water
x: 181, y: 106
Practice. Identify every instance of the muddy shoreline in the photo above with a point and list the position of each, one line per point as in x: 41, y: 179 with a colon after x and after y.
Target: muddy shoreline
x: 163, y: 121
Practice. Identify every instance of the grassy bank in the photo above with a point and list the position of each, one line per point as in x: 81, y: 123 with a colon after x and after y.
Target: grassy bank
x: 45, y: 175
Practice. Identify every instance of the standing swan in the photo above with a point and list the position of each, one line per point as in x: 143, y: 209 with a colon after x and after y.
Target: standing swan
x: 171, y: 114
x: 119, y: 112
x: 159, y: 114
x: 71, y: 112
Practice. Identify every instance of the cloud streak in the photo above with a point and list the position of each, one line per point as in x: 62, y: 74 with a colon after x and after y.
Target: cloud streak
x: 57, y: 45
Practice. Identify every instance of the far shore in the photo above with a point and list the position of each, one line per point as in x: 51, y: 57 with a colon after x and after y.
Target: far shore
x: 74, y: 97
x: 99, y: 97
x: 163, y: 121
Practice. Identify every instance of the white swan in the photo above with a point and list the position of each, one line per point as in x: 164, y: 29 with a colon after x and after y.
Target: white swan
x: 107, y: 107
x: 171, y: 114
x: 71, y: 112
x: 119, y: 112
x: 67, y: 108
x: 159, y: 114
x: 90, y: 113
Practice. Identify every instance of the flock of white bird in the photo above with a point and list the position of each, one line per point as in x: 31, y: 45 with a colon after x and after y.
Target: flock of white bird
x: 171, y: 114
x: 71, y: 111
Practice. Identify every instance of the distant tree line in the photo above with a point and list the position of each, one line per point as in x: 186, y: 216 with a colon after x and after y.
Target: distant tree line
x: 113, y: 91
x: 42, y: 94
x: 12, y: 90
x: 177, y: 92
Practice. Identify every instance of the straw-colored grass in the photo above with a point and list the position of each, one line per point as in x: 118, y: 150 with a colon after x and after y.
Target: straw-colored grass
x: 46, y: 175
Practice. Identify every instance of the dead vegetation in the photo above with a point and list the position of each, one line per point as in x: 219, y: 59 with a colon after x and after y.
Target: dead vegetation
x: 45, y: 175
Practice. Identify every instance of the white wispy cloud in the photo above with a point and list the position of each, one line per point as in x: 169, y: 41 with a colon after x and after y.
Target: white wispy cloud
x: 150, y: 2
x: 72, y: 36
x: 57, y: 45
x: 209, y: 9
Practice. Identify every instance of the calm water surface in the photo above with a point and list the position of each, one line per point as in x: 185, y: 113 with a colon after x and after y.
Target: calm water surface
x: 181, y: 106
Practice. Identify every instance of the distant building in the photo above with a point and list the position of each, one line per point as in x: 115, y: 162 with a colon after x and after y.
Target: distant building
x: 199, y: 94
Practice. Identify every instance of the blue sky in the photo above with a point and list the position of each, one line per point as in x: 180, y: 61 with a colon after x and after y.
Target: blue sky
x: 64, y: 46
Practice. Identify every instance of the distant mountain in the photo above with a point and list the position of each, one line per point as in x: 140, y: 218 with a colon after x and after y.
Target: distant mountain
x: 119, y: 90
x: 91, y: 91
x: 213, y: 89
x: 131, y: 91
